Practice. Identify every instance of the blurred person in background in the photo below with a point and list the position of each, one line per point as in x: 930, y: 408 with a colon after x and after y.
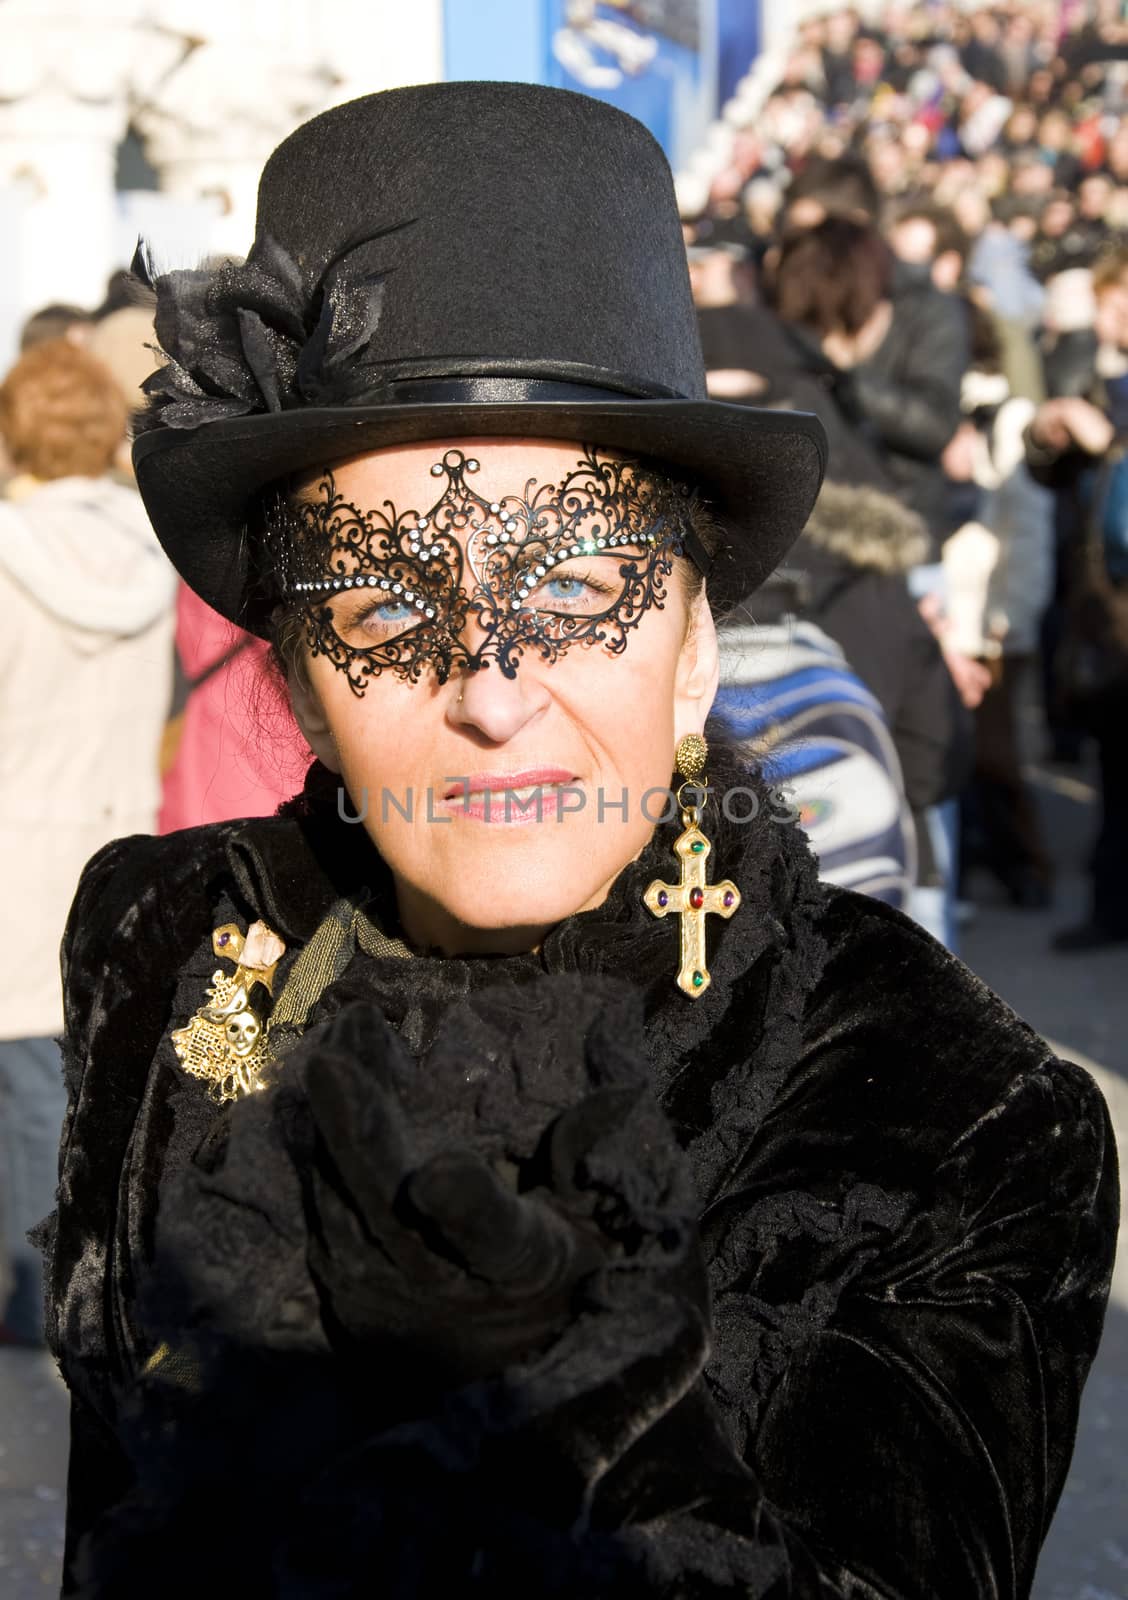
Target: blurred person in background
x: 869, y: 62
x: 1068, y: 350
x: 1030, y: 179
x: 733, y: 325
x: 716, y: 274
x: 1067, y: 342
x: 1061, y: 241
x: 1116, y: 155
x: 1056, y: 148
x: 751, y: 355
x: 122, y: 340
x: 981, y: 118
x: 982, y: 55
x: 993, y: 173
x: 85, y: 667
x: 999, y: 566
x: 890, y: 162
x: 231, y: 747
x: 928, y: 240
x: 1077, y: 444
x: 1002, y: 283
x: 970, y: 207
x: 896, y: 373
x: 893, y: 371
x: 1019, y: 51
x: 840, y: 31
x: 794, y: 704
x: 1020, y: 132
x: 1096, y: 33
x: 762, y: 202
x: 56, y: 321
x: 825, y: 284
x: 831, y: 289
x: 725, y: 221
x: 855, y: 554
x: 1042, y: 88
x: 1094, y: 198
x: 841, y: 187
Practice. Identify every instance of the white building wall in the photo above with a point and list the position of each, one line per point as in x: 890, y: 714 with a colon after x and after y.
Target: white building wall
x: 210, y: 85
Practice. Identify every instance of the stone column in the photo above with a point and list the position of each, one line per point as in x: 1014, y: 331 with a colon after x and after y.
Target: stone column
x: 211, y: 122
x: 211, y: 86
x: 254, y: 72
x: 66, y: 83
x: 374, y: 46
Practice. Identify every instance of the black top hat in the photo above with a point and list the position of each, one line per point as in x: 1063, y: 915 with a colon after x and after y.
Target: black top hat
x: 466, y: 259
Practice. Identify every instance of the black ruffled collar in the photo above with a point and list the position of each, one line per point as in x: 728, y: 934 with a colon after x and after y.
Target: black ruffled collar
x: 763, y: 962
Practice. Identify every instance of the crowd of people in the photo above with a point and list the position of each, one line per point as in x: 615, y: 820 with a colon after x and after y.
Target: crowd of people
x: 923, y: 236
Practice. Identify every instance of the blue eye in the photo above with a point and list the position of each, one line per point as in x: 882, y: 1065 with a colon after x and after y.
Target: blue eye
x: 564, y: 588
x: 361, y: 620
x: 582, y: 592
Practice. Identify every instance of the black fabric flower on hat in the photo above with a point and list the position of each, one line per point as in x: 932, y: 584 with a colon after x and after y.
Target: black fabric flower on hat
x: 248, y: 338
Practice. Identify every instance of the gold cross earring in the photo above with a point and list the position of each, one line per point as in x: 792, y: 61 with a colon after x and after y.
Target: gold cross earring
x: 693, y: 898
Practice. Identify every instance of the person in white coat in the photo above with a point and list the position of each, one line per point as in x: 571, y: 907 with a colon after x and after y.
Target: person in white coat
x: 85, y: 678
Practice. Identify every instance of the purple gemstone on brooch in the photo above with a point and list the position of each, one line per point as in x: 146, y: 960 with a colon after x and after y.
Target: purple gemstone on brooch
x: 223, y: 939
x: 663, y: 898
x: 728, y: 898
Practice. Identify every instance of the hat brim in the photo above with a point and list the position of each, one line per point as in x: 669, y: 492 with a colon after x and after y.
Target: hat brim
x: 761, y: 471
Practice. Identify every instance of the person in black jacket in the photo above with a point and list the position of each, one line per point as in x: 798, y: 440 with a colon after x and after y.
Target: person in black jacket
x: 567, y: 1203
x: 893, y: 350
x: 1073, y: 446
x: 856, y: 551
x: 753, y: 357
x: 852, y: 559
x: 905, y: 390
x: 835, y: 280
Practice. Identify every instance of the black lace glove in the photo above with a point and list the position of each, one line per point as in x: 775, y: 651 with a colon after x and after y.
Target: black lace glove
x: 566, y: 1307
x: 438, y: 1265
x: 503, y: 1244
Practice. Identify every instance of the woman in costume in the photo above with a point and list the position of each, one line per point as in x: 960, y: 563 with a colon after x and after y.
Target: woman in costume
x: 507, y: 1169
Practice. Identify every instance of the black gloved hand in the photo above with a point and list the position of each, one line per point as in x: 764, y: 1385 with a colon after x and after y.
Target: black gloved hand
x: 441, y: 1266
x: 503, y: 1243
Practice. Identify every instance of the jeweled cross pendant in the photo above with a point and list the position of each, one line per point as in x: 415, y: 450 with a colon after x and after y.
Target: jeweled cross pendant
x: 692, y: 899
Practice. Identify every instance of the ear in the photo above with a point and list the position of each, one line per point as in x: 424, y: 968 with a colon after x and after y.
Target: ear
x: 698, y: 672
x: 310, y: 716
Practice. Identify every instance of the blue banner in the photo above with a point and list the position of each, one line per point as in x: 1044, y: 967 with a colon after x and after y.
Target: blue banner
x: 738, y: 44
x: 670, y: 63
x: 644, y: 56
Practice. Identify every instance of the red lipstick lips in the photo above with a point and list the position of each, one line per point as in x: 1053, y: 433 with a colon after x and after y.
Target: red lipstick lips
x: 532, y: 794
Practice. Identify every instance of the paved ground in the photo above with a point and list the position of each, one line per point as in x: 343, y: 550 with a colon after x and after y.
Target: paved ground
x: 1081, y: 1003
x: 32, y: 1471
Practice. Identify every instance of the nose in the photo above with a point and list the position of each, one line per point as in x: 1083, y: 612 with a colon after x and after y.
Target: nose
x: 483, y: 699
x: 495, y: 706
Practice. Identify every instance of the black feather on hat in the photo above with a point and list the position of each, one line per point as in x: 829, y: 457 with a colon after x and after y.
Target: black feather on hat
x: 451, y: 260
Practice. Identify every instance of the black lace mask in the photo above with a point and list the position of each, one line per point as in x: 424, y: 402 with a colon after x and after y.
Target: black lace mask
x: 574, y: 563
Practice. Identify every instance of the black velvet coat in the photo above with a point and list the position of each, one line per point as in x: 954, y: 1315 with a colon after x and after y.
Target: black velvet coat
x: 531, y: 1275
